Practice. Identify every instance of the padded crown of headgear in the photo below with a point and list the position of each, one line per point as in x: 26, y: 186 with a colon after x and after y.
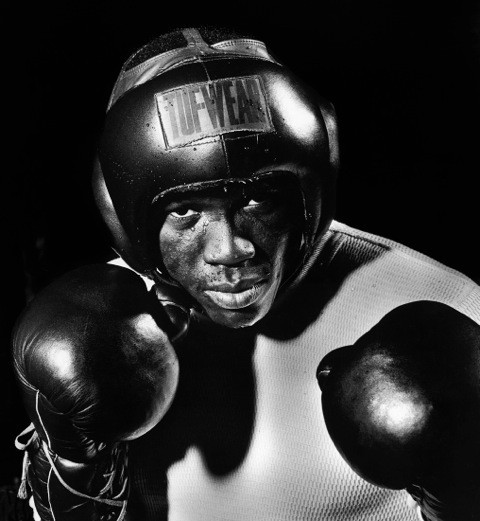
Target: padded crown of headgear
x: 202, y: 107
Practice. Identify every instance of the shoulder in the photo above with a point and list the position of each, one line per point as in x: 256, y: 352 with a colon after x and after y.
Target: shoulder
x: 411, y: 274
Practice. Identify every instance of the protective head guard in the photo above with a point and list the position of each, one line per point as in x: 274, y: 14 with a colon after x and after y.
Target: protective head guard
x: 196, y: 108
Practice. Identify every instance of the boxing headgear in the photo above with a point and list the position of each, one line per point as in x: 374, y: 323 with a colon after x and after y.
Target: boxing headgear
x: 206, y: 114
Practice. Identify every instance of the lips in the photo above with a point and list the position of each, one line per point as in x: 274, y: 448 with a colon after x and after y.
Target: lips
x: 232, y: 299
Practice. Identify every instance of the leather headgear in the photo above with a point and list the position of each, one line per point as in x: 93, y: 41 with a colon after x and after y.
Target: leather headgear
x: 209, y: 114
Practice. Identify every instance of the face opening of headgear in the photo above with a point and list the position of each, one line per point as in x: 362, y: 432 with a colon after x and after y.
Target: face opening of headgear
x: 200, y: 107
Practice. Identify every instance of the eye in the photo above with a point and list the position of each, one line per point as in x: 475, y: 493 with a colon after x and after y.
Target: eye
x: 182, y: 213
x: 181, y: 216
x: 259, y: 200
x: 255, y: 202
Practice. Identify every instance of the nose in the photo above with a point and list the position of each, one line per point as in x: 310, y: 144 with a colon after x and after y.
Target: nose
x: 223, y: 244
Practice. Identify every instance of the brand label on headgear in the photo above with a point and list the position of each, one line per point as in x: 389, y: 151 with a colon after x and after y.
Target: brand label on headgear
x: 212, y: 108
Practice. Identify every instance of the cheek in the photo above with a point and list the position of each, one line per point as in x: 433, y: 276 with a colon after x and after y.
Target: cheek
x: 278, y: 237
x: 180, y: 253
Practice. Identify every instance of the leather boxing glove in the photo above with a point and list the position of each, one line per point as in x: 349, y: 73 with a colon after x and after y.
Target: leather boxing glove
x: 402, y: 406
x: 96, y: 367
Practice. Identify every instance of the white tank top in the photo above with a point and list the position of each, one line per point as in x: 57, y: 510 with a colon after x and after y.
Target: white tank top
x: 283, y: 464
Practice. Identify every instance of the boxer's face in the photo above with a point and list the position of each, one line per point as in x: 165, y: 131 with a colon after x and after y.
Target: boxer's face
x: 231, y: 248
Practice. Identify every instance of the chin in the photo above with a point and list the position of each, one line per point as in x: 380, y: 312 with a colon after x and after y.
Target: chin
x: 236, y: 319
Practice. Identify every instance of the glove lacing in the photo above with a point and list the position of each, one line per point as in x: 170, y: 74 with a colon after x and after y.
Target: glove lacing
x: 109, y: 474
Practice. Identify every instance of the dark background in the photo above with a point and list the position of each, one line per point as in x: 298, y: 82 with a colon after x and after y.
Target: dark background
x: 404, y: 77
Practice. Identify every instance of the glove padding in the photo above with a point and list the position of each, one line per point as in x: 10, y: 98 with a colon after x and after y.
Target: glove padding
x: 402, y: 406
x: 96, y: 368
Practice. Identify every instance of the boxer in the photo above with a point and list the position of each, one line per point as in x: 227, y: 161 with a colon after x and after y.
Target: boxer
x: 216, y: 177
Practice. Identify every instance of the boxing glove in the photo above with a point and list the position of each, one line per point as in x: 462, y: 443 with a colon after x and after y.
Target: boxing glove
x: 96, y: 368
x: 402, y: 406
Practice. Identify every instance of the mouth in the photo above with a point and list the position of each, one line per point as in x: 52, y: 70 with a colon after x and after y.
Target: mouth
x: 236, y: 299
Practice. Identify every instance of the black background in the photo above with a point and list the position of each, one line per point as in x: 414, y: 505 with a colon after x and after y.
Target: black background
x: 403, y: 76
